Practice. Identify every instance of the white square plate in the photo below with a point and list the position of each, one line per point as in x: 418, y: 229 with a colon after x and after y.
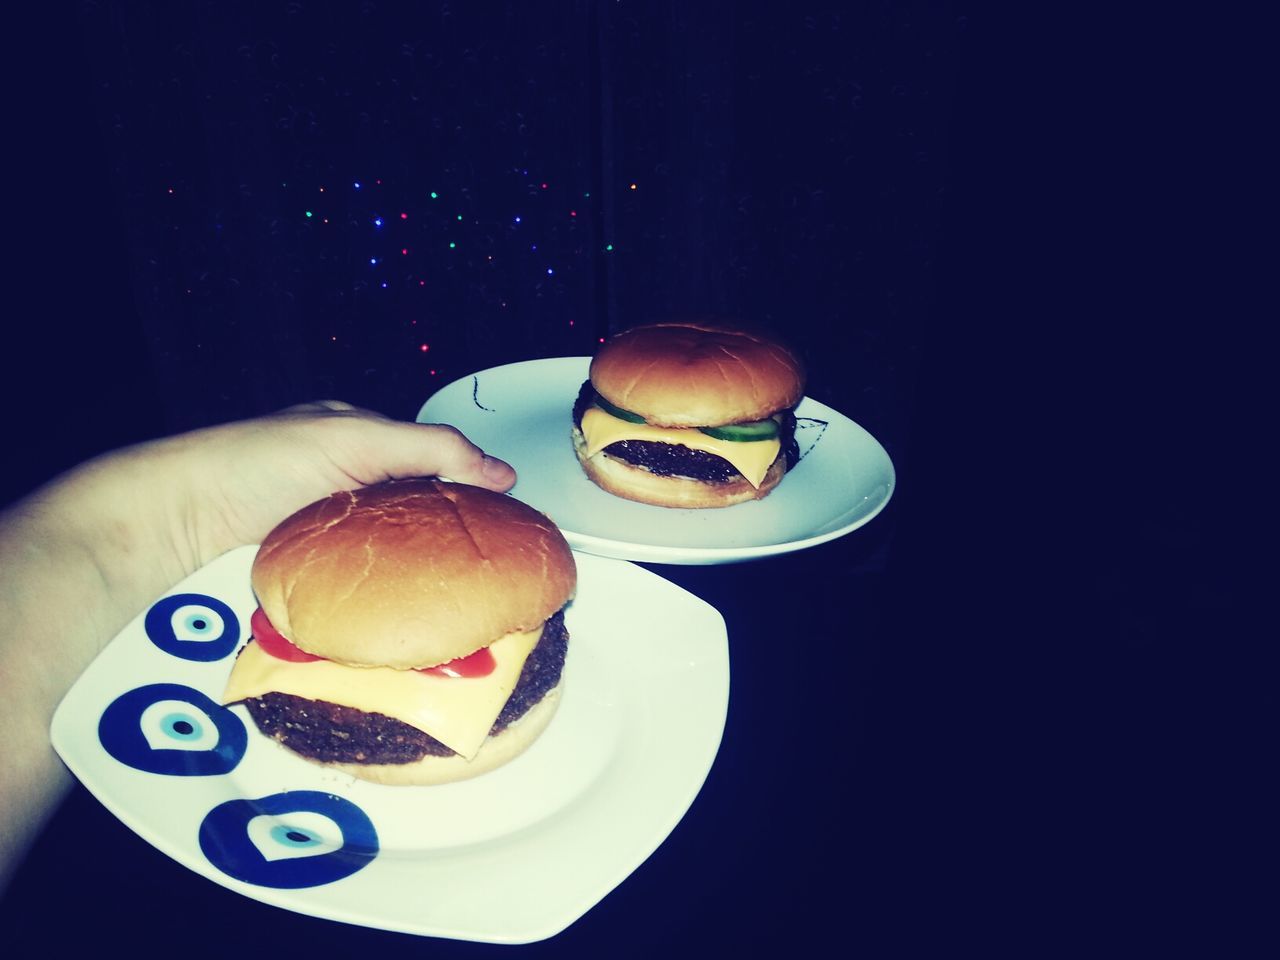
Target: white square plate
x: 513, y: 856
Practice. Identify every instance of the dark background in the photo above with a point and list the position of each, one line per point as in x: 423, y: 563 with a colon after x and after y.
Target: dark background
x: 661, y: 160
x: 987, y: 238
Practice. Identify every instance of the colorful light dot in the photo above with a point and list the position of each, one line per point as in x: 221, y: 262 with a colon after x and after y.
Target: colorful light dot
x: 356, y: 185
x: 550, y: 271
x: 452, y: 245
x: 384, y: 284
x: 544, y: 186
x: 421, y: 283
x: 573, y: 213
x: 373, y: 261
x: 404, y: 216
x: 171, y: 189
x: 404, y: 251
x: 425, y: 347
x: 322, y: 189
x: 608, y: 246
x: 434, y: 195
x: 518, y: 219
x: 377, y: 221
x: 308, y: 214
x: 459, y: 216
x: 633, y: 186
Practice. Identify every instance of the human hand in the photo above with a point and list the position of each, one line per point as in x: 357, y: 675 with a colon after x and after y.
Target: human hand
x: 84, y: 554
x: 239, y: 480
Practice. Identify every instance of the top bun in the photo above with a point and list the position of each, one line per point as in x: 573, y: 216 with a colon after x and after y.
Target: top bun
x: 697, y: 374
x: 411, y: 573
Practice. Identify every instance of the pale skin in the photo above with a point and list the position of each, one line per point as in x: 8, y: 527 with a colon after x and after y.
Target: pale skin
x: 84, y: 554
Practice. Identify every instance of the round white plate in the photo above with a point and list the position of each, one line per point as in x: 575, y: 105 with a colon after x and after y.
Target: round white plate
x: 513, y: 856
x: 522, y: 413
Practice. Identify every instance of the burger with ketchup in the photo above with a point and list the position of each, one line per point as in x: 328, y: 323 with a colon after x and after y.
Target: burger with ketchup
x: 409, y: 632
x: 689, y: 414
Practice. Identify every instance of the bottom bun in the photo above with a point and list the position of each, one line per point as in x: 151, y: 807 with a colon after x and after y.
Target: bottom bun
x: 493, y: 753
x: 635, y: 483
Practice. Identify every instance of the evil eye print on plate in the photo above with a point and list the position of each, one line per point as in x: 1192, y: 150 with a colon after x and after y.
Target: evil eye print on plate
x: 174, y: 730
x: 193, y: 626
x: 301, y: 838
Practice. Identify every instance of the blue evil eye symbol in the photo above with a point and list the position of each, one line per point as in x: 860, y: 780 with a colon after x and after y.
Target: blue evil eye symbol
x: 301, y: 838
x: 193, y: 626
x: 173, y: 730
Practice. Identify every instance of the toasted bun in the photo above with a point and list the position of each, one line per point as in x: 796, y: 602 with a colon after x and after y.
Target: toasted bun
x: 495, y: 752
x: 697, y: 374
x: 411, y: 573
x: 635, y: 483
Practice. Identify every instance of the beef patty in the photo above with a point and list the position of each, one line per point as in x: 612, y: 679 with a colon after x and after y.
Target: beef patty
x: 672, y: 460
x: 331, y: 733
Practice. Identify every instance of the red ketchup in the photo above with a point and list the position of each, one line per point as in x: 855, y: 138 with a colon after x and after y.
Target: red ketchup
x: 478, y: 664
x: 274, y: 643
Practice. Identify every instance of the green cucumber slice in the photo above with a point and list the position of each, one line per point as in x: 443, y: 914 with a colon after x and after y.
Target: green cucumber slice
x: 737, y: 432
x: 618, y: 412
x: 740, y: 432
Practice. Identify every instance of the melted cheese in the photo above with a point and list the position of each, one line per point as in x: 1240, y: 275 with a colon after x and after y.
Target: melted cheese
x: 751, y: 458
x: 457, y: 711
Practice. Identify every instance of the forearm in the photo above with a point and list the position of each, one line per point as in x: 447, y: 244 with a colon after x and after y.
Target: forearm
x: 76, y: 569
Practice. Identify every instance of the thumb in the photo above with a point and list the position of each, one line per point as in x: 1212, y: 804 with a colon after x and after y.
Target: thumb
x: 436, y: 449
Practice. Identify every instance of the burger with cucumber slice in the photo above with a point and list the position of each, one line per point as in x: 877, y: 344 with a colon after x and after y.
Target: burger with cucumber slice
x: 689, y: 414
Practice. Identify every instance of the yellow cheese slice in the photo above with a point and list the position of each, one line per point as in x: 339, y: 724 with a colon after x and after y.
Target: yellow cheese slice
x: 751, y: 458
x: 457, y: 711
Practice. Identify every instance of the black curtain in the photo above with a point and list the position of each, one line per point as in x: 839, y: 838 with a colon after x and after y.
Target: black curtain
x: 237, y: 206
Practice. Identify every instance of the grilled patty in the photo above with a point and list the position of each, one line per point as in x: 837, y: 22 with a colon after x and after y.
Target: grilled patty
x: 331, y: 733
x: 672, y: 460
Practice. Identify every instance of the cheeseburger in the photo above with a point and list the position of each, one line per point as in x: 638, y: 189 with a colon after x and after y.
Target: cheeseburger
x: 410, y: 632
x: 688, y: 414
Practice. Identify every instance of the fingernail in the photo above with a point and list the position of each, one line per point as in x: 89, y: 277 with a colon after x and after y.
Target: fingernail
x: 495, y: 469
